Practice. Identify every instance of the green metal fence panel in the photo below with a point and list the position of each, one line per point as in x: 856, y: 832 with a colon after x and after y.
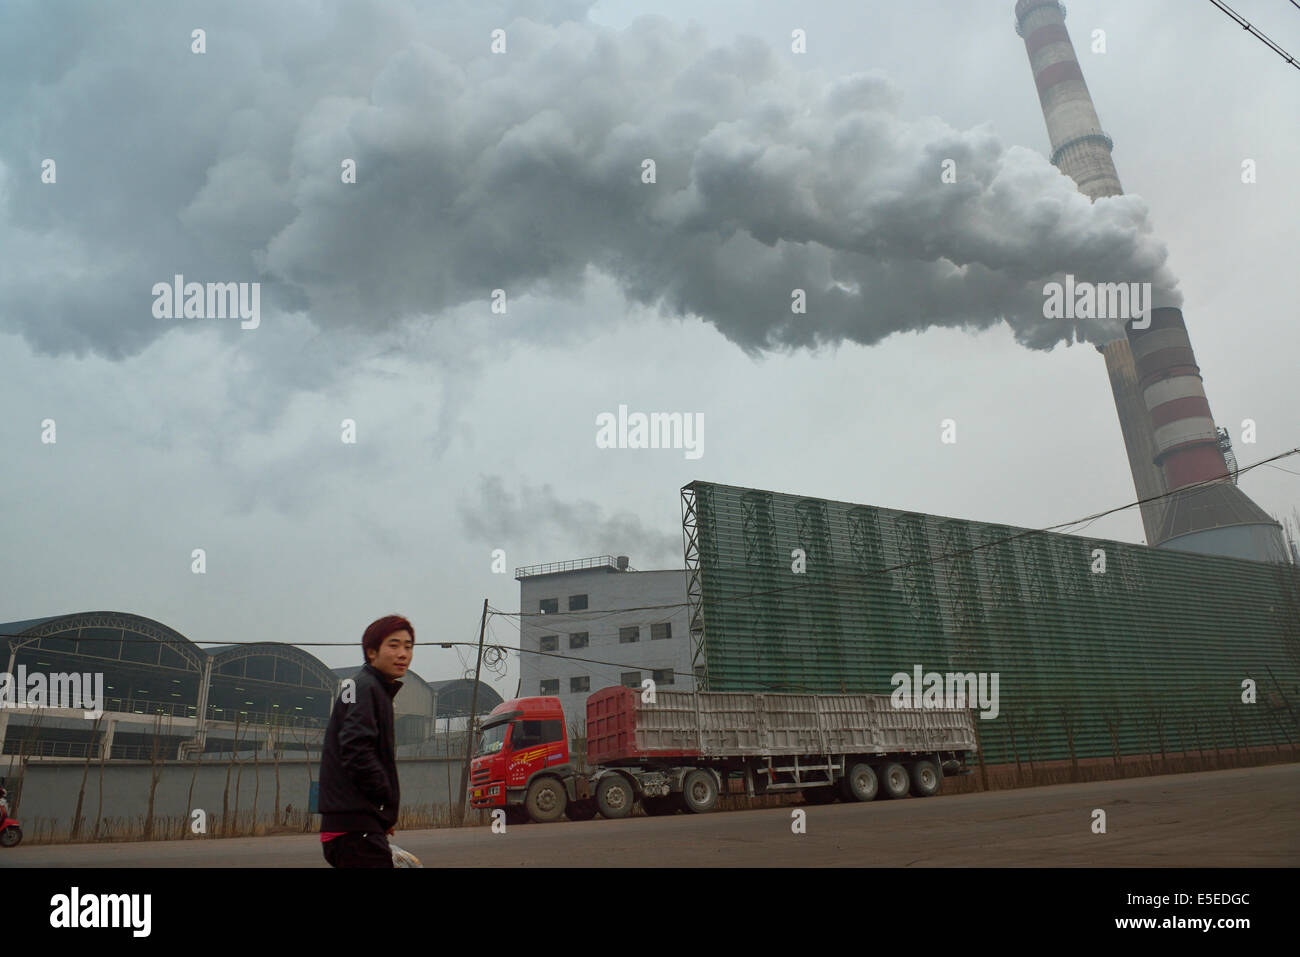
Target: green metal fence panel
x: 1147, y: 657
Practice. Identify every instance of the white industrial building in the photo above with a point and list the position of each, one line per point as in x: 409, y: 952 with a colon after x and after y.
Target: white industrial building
x: 601, y: 609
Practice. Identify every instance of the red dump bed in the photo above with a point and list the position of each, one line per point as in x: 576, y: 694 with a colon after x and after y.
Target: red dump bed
x: 612, y: 730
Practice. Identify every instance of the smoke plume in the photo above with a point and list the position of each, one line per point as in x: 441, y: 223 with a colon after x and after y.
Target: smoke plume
x: 517, y: 171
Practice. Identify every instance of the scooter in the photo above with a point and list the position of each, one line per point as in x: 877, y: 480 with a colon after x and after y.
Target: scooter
x: 10, y: 831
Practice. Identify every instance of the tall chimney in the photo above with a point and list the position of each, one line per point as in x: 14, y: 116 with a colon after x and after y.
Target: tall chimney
x: 1187, y: 443
x: 1164, y: 414
x: 1212, y: 515
x: 1082, y: 151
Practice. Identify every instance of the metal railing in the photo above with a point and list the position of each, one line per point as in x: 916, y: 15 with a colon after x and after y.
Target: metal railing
x: 145, y: 706
x: 261, y: 719
x: 83, y: 749
x: 50, y: 749
x: 600, y: 561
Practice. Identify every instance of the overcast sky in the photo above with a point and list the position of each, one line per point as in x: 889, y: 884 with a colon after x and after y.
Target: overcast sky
x: 522, y: 171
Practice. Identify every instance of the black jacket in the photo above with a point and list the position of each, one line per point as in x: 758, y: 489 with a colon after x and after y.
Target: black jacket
x: 358, y: 767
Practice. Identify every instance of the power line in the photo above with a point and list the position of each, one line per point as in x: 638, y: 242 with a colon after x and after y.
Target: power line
x: 595, y: 661
x: 351, y: 644
x: 1085, y: 521
x: 1088, y: 519
x: 1242, y: 22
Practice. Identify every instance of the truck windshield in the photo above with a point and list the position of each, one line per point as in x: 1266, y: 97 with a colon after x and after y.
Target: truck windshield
x: 491, y: 740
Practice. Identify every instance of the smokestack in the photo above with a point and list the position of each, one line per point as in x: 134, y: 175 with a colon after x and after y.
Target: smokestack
x: 1164, y: 414
x: 1187, y: 443
x: 1081, y: 150
x: 1079, y: 147
x: 1218, y: 517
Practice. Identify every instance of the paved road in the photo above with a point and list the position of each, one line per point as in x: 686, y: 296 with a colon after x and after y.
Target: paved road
x: 1239, y: 818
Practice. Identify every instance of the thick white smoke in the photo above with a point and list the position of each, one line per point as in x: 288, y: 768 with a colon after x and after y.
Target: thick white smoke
x: 517, y: 171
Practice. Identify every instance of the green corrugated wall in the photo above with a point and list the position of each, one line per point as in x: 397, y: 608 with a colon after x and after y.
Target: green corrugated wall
x: 1148, y: 657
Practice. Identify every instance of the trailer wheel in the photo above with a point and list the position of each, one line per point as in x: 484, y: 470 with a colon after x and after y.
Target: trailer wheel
x: 546, y: 800
x: 581, y: 810
x: 894, y: 779
x: 660, y: 806
x: 614, y: 796
x: 822, y: 795
x: 925, y: 779
x: 699, y: 792
x: 861, y: 783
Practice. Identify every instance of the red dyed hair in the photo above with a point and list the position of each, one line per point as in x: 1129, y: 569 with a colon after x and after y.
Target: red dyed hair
x: 380, y: 630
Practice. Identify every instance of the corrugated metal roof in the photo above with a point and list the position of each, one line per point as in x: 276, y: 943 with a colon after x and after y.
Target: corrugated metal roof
x: 18, y: 627
x: 1148, y: 656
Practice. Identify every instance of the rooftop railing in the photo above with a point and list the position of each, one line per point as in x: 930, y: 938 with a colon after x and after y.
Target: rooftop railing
x: 577, y: 564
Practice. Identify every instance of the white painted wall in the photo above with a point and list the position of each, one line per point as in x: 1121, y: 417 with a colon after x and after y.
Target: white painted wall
x: 606, y: 590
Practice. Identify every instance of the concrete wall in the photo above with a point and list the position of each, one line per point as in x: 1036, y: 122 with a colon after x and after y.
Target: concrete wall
x: 49, y: 789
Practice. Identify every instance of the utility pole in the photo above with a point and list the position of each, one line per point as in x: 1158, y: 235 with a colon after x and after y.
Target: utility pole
x: 473, y: 714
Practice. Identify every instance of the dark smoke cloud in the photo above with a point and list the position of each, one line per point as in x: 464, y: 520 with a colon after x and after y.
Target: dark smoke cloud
x: 495, y: 516
x: 516, y: 171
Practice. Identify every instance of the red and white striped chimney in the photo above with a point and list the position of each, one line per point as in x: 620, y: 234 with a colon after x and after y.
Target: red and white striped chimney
x: 1082, y: 151
x: 1079, y: 147
x: 1165, y: 417
x: 1187, y: 443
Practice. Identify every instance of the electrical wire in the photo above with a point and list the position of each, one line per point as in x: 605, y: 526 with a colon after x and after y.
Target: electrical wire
x: 822, y: 580
x: 1084, y: 522
x: 1242, y: 22
x: 1280, y: 469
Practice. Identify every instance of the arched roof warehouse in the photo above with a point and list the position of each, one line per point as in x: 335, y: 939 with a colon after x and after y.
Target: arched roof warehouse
x: 454, y: 697
x: 107, y: 636
x: 272, y: 661
x: 151, y: 668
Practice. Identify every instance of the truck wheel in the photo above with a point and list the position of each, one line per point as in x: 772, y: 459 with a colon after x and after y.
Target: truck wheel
x: 699, y: 792
x: 546, y: 800
x: 861, y: 783
x: 925, y: 779
x: 823, y: 795
x: 614, y: 796
x: 580, y: 810
x: 894, y: 780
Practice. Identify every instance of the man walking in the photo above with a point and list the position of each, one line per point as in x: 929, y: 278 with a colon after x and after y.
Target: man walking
x: 359, y: 793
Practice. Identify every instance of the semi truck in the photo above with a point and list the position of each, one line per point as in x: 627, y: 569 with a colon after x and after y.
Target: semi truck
x: 679, y: 751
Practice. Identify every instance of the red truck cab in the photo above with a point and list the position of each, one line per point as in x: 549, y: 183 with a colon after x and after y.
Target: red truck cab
x: 522, y: 740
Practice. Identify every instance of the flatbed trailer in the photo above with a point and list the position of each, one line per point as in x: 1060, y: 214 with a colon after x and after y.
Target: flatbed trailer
x: 678, y: 750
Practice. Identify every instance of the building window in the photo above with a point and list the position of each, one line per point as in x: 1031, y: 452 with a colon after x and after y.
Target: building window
x: 699, y: 672
x: 550, y: 686
x: 550, y: 642
x: 626, y: 635
x: 630, y: 679
x: 577, y: 602
x: 549, y: 606
x: 578, y: 639
x: 663, y: 676
x: 580, y: 684
x: 658, y: 632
